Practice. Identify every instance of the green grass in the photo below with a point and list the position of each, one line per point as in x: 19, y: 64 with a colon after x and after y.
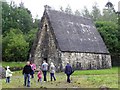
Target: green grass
x: 13, y: 64
x: 80, y: 79
x: 113, y: 70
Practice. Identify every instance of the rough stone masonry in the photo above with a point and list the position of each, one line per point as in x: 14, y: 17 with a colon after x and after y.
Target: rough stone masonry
x: 66, y: 38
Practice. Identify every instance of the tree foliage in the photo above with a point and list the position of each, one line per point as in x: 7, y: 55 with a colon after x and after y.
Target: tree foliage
x: 15, y: 47
x: 18, y: 30
x: 109, y: 33
x: 96, y: 15
x: 17, y: 17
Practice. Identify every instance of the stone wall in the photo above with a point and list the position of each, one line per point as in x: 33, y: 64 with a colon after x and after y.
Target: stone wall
x: 86, y: 60
x: 47, y: 47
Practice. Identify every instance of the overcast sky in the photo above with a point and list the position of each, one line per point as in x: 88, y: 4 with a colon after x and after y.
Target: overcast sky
x: 37, y: 6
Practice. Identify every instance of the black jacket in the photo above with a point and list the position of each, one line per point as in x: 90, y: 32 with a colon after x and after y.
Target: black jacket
x: 27, y: 69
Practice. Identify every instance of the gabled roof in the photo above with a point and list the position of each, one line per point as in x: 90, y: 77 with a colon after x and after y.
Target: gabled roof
x: 75, y: 33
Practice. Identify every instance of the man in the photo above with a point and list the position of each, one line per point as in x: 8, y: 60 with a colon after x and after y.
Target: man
x: 44, y: 70
x: 68, y: 71
x: 26, y: 72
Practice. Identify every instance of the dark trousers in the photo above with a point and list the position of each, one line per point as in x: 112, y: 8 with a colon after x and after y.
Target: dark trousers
x: 27, y: 80
x: 68, y: 78
x: 44, y: 74
x: 52, y: 76
x: 7, y: 79
x: 32, y: 74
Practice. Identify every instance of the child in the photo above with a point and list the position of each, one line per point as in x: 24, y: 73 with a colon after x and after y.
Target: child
x: 8, y: 74
x: 39, y: 76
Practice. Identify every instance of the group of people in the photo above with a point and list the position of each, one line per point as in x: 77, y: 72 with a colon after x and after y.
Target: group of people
x: 29, y: 70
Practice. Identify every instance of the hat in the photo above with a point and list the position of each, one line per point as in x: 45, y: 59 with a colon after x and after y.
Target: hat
x: 8, y: 67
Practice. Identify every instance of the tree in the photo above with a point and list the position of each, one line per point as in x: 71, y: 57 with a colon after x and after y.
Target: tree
x: 109, y: 31
x: 15, y: 47
x: 17, y: 17
x: 36, y: 22
x: 85, y: 12
x: 77, y: 13
x: 68, y: 10
x: 96, y: 15
x: 61, y: 9
x: 109, y: 13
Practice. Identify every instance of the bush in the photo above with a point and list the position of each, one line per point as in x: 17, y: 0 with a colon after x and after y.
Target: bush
x: 15, y: 46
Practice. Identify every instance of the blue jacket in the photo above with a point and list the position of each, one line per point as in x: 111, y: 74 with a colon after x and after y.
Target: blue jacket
x: 68, y: 69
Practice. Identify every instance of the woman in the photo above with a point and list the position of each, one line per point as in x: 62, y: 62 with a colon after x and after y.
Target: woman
x: 52, y: 71
x: 33, y: 66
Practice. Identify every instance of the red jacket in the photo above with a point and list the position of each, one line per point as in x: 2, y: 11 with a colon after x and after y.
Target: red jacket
x: 39, y: 74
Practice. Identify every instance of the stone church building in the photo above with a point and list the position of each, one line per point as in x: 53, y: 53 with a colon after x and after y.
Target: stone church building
x: 66, y: 38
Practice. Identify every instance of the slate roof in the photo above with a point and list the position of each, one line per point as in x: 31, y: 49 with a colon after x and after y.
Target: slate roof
x: 75, y: 33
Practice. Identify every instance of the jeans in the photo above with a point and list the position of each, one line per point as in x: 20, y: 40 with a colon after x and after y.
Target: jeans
x: 68, y: 78
x: 7, y: 79
x: 27, y: 80
x: 40, y: 79
x: 52, y: 76
x: 45, y: 73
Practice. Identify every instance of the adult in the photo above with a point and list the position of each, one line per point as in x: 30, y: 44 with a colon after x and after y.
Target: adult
x: 44, y: 70
x: 26, y: 72
x: 68, y: 71
x: 52, y: 71
x: 33, y: 66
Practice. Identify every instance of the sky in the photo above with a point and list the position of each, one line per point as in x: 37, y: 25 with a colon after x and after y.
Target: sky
x: 37, y: 6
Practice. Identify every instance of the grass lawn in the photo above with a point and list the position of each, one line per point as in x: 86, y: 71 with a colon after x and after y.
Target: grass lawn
x: 80, y: 79
x: 13, y: 64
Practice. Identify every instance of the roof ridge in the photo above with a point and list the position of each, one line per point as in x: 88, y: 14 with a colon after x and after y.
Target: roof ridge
x: 51, y: 9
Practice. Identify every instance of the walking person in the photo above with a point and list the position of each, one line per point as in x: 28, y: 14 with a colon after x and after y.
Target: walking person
x: 44, y: 70
x: 68, y: 71
x: 26, y: 72
x: 33, y: 66
x: 52, y: 71
x: 8, y: 74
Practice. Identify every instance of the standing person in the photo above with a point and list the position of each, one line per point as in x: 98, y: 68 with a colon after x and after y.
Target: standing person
x: 52, y: 71
x: 39, y: 75
x: 26, y: 72
x: 44, y: 70
x: 33, y: 66
x: 8, y: 74
x: 68, y: 71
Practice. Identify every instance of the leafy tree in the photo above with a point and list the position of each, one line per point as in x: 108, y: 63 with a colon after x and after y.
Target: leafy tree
x: 30, y: 36
x: 36, y: 22
x: 109, y: 15
x: 24, y: 19
x: 16, y: 17
x: 15, y: 47
x: 109, y: 31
